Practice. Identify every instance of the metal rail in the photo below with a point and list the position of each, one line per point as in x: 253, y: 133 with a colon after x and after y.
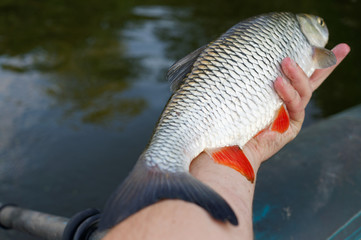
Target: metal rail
x: 82, y: 226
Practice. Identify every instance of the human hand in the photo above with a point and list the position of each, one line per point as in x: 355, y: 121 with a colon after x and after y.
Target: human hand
x: 296, y: 94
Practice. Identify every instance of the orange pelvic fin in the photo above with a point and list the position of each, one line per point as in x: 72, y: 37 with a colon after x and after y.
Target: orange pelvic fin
x: 260, y: 132
x: 282, y: 121
x: 233, y: 157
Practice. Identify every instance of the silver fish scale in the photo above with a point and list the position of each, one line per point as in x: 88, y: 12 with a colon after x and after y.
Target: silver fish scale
x: 229, y: 96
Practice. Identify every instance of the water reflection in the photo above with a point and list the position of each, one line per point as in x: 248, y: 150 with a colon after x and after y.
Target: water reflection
x: 80, y: 51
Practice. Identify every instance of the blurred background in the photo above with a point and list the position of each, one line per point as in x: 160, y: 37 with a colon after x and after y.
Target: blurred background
x: 82, y: 84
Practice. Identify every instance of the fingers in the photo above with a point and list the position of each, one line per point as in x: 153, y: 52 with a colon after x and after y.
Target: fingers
x: 340, y: 51
x: 297, y: 93
x: 298, y: 79
x: 291, y: 98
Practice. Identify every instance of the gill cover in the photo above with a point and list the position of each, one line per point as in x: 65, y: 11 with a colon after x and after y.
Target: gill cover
x: 315, y: 30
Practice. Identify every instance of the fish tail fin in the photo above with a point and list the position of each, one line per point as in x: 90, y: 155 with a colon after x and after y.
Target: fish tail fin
x: 145, y: 186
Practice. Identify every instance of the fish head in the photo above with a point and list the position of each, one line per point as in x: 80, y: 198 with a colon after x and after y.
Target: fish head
x: 314, y: 28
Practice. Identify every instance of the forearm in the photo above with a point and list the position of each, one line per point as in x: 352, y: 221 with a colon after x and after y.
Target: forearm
x: 176, y: 219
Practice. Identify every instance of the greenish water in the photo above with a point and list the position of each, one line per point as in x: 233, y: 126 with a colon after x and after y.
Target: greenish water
x: 82, y: 84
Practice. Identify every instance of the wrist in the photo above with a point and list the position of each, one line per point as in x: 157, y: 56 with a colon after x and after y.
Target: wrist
x: 230, y: 184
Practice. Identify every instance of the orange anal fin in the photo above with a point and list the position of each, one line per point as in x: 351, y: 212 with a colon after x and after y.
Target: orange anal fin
x: 233, y: 157
x: 282, y: 121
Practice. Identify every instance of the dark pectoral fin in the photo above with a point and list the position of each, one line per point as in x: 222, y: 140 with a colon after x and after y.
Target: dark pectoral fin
x: 233, y: 157
x: 323, y: 58
x: 180, y: 69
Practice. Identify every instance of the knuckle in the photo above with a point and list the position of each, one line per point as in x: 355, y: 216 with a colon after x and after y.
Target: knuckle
x: 295, y: 99
x: 307, y: 93
x: 297, y: 106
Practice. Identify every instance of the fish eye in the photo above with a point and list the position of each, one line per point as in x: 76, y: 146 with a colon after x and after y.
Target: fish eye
x: 321, y: 21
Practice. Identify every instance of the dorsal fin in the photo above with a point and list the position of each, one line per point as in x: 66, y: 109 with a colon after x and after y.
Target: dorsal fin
x: 181, y: 68
x: 323, y: 58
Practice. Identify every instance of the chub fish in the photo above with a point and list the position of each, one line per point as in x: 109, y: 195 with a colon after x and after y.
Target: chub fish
x: 223, y: 95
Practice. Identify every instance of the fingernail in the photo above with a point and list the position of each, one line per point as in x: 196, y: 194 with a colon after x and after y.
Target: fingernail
x: 283, y: 81
x: 293, y: 63
x: 288, y: 63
